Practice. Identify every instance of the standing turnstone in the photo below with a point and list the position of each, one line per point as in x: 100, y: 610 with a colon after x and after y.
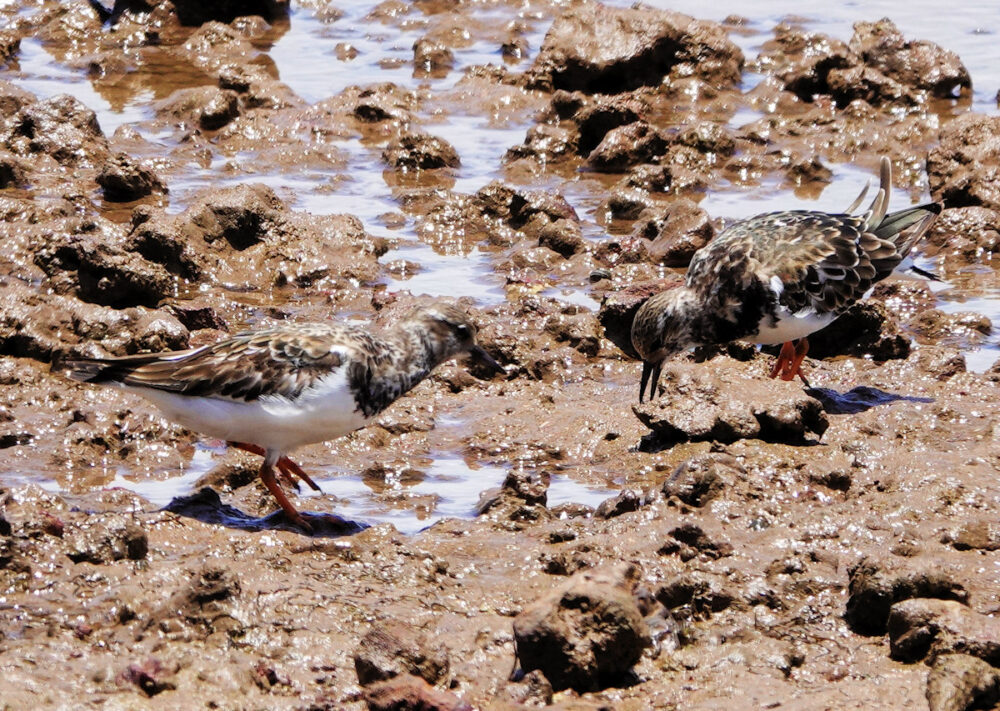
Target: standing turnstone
x: 776, y: 278
x: 268, y: 392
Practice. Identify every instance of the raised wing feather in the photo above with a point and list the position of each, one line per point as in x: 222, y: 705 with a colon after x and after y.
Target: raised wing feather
x: 819, y: 261
x: 281, y: 361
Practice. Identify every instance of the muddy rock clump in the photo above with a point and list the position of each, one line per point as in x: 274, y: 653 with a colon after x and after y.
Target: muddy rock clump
x: 874, y: 589
x: 586, y: 634
x: 420, y: 151
x: 60, y: 127
x: 964, y: 169
x: 922, y: 628
x: 599, y: 49
x: 878, y: 66
x: 395, y: 649
x: 958, y: 682
x: 702, y: 479
x: 724, y: 405
x: 124, y: 179
x: 677, y: 232
x: 968, y: 234
x: 410, y: 692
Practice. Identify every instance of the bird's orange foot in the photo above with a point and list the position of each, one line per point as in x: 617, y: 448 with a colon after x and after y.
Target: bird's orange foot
x: 789, y: 362
x: 267, y: 476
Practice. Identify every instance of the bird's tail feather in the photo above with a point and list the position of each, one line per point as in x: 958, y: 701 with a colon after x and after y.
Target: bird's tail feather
x: 906, y: 227
x: 103, y: 370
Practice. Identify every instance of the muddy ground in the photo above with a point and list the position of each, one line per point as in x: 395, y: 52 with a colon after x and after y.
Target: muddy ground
x: 772, y: 546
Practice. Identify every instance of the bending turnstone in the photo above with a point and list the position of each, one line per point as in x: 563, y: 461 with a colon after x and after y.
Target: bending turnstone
x: 776, y: 278
x: 268, y: 392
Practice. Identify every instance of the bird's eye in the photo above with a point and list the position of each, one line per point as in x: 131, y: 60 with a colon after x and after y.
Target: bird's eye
x: 462, y: 330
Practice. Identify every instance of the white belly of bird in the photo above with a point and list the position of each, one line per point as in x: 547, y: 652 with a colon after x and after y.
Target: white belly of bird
x: 325, y: 411
x: 790, y: 326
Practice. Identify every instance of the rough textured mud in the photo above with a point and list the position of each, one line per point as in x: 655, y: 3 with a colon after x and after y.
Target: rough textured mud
x: 738, y: 543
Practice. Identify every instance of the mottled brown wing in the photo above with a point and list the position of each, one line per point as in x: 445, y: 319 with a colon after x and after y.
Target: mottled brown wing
x: 823, y: 262
x: 282, y: 361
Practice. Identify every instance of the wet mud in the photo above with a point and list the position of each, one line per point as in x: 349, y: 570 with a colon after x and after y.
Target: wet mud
x: 537, y: 540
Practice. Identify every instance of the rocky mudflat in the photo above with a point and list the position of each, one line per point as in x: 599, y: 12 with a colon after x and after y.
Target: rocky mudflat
x: 756, y: 544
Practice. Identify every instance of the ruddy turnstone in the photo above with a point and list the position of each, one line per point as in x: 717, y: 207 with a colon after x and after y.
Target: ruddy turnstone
x: 776, y: 278
x: 269, y: 392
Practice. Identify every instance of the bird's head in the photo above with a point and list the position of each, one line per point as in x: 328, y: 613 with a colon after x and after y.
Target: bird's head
x: 661, y: 329
x: 452, y: 332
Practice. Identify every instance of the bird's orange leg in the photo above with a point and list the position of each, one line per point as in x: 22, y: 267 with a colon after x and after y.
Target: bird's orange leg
x: 267, y: 476
x: 789, y: 362
x: 786, y: 356
x: 286, y: 467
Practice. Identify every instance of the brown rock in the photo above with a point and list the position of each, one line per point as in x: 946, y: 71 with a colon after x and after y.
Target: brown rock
x: 562, y: 236
x: 875, y: 587
x: 420, y: 151
x: 971, y: 232
x: 626, y: 146
x: 104, y: 538
x: 703, y: 594
x: 89, y: 258
x: 430, y: 55
x: 600, y: 49
x: 677, y: 233
x: 964, y: 169
x: 699, y: 480
x: 919, y: 64
x: 585, y: 634
x: 222, y: 107
x: 63, y: 128
x: 395, y: 649
x: 533, y: 689
x: 694, y: 541
x: 700, y: 406
x: 594, y: 121
x: 46, y: 326
x: 10, y: 43
x: 409, y: 693
x: 520, y: 489
x: 625, y: 502
x: 13, y: 98
x: 963, y: 329
x: 527, y: 206
x: 13, y: 171
x: 240, y: 215
x: 625, y: 203
x: 707, y: 137
x: 860, y: 83
x: 960, y: 682
x: 982, y: 535
x: 124, y: 179
x: 921, y: 628
x: 546, y: 144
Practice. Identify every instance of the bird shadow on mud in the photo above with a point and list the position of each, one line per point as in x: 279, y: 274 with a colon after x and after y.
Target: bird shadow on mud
x: 858, y: 399
x: 205, y: 505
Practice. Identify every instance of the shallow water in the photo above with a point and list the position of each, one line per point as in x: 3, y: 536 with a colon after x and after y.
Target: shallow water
x: 305, y: 54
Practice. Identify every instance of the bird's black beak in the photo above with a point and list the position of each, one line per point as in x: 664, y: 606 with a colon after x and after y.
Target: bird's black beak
x: 649, y: 369
x: 478, y: 355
